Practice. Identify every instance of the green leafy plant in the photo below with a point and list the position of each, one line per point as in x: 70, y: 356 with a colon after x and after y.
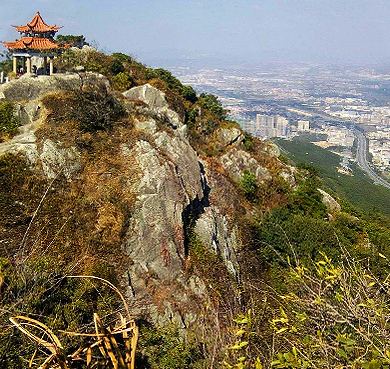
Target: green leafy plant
x: 237, y: 354
x: 8, y: 123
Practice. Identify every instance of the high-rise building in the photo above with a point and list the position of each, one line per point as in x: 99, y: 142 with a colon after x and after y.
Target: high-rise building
x: 303, y: 125
x: 271, y: 126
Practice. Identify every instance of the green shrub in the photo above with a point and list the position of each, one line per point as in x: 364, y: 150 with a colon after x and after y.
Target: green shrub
x: 122, y: 81
x: 123, y: 58
x: 6, y: 66
x: 211, y: 103
x: 116, y: 67
x: 163, y: 348
x: 248, y: 141
x: 189, y: 94
x: 76, y: 41
x: 249, y: 185
x: 8, y: 123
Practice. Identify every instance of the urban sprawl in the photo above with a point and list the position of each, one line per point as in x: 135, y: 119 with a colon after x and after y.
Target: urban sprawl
x: 330, y: 105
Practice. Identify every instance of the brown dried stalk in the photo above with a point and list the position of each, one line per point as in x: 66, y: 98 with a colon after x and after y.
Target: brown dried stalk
x: 104, y: 340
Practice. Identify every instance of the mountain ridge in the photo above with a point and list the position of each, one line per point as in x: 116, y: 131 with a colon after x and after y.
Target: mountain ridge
x: 134, y: 178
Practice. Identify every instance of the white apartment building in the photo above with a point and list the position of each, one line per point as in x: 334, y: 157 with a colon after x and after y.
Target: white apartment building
x: 271, y: 126
x: 303, y: 125
x: 380, y: 150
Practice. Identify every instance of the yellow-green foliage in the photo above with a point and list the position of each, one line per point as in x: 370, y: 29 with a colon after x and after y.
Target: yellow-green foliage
x: 237, y: 354
x: 335, y: 315
x: 122, y: 81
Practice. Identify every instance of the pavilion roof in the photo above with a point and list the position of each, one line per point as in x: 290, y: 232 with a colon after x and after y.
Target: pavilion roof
x: 34, y: 43
x: 37, y: 25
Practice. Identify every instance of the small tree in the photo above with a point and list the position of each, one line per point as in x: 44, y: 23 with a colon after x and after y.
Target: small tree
x: 77, y: 41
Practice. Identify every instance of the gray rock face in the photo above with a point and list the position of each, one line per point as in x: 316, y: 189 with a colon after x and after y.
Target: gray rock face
x: 331, y: 204
x: 149, y: 125
x: 212, y: 228
x: 170, y: 180
x: 25, y: 141
x: 158, y: 107
x: 56, y: 160
x: 236, y: 161
x: 27, y: 112
x: 30, y: 87
x: 232, y: 136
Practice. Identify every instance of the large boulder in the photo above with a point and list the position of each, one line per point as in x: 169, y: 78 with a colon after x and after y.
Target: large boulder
x: 157, y: 105
x: 149, y: 95
x: 331, y: 204
x: 232, y: 136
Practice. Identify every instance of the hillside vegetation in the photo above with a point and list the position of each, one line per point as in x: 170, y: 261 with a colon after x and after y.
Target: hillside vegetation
x: 227, y: 257
x: 358, y: 189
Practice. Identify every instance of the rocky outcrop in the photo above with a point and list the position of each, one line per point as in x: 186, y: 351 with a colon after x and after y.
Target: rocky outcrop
x: 271, y: 149
x: 25, y: 142
x: 56, y: 160
x: 27, y: 112
x: 170, y: 181
x: 32, y: 87
x: 31, y: 116
x: 236, y: 161
x: 177, y: 196
x: 173, y: 195
x: 288, y: 174
x: 232, y: 136
x: 149, y: 95
x: 331, y: 204
x: 157, y: 105
x: 212, y: 228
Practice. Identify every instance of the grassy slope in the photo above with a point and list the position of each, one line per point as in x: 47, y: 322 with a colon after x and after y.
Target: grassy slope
x: 358, y: 189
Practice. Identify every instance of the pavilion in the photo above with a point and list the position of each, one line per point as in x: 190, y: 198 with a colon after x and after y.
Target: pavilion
x: 37, y: 41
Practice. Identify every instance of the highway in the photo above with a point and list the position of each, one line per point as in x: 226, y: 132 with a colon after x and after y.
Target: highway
x: 361, y: 157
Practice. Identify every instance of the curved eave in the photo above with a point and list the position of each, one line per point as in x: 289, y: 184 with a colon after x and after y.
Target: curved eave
x: 37, y: 29
x: 37, y: 25
x: 34, y: 43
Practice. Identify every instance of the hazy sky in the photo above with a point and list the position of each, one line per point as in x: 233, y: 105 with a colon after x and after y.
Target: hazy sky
x: 251, y: 30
